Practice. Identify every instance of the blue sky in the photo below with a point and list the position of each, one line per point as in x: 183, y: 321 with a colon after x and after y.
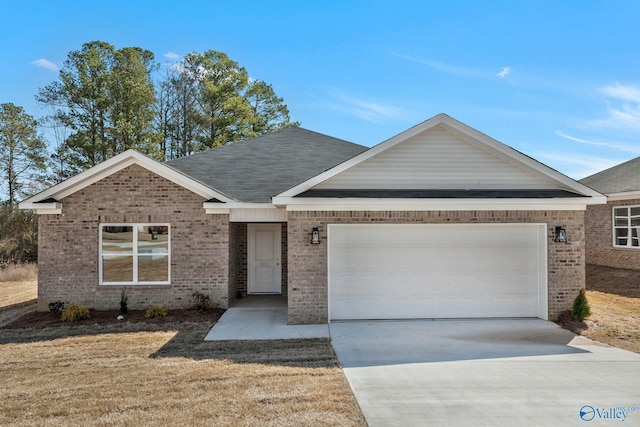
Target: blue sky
x: 557, y: 80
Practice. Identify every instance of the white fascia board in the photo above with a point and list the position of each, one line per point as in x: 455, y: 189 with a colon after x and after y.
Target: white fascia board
x: 225, y: 208
x: 347, y: 204
x: 238, y: 205
x: 53, y: 208
x: 116, y: 164
x: 460, y: 127
x: 627, y: 195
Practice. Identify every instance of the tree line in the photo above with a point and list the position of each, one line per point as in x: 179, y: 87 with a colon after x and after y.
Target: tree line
x: 108, y: 100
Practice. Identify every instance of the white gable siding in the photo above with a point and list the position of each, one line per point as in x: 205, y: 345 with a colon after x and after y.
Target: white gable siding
x: 439, y: 158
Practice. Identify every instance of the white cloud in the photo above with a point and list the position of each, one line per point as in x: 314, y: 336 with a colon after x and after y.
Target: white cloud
x: 505, y: 71
x: 575, y: 139
x: 172, y: 56
x: 632, y: 147
x: 440, y: 66
x: 621, y: 92
x: 369, y: 110
x: 623, y: 108
x: 45, y: 63
x: 577, y: 166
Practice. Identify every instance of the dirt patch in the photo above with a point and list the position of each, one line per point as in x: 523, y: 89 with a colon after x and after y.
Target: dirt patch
x: 39, y: 320
x: 617, y: 281
x: 614, y: 297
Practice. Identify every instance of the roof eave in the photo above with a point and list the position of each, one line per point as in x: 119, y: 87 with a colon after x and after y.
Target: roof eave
x: 115, y: 164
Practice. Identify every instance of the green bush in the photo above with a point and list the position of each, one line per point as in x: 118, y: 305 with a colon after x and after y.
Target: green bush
x: 74, y: 313
x: 581, y: 308
x: 200, y: 301
x: 55, y: 308
x: 156, y: 311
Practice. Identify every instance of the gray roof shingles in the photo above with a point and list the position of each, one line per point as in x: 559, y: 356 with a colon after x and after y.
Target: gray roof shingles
x: 256, y: 169
x: 618, y: 179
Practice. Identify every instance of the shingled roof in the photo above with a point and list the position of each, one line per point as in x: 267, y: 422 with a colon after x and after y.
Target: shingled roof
x: 618, y: 179
x: 255, y: 169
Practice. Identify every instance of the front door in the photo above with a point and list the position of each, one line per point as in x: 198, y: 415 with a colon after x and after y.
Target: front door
x: 264, y: 249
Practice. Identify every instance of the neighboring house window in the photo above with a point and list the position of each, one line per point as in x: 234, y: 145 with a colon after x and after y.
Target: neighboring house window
x: 134, y: 254
x: 626, y: 223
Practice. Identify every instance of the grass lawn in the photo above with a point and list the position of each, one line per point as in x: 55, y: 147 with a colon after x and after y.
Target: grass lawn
x: 12, y: 293
x: 138, y: 374
x: 18, y: 284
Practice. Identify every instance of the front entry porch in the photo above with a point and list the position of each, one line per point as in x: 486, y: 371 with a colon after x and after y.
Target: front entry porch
x: 261, y: 317
x: 257, y: 259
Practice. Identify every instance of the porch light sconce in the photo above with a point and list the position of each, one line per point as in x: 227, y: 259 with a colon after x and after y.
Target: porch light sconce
x: 560, y: 235
x: 315, y: 236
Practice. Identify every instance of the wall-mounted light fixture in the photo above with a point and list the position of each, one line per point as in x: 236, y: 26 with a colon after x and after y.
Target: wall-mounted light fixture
x: 315, y: 236
x: 560, y: 235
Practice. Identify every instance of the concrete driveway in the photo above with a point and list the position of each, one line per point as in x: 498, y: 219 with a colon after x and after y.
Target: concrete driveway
x: 485, y: 373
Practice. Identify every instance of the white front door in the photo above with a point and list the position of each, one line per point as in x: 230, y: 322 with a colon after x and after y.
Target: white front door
x: 264, y: 275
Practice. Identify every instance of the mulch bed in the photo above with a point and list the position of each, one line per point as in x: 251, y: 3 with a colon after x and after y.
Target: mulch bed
x: 567, y: 321
x: 39, y: 320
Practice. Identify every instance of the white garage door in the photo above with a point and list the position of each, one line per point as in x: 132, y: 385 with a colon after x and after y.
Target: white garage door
x: 395, y: 271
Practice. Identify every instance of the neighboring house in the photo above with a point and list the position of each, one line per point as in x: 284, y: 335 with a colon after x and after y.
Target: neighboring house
x: 440, y: 221
x: 612, y: 236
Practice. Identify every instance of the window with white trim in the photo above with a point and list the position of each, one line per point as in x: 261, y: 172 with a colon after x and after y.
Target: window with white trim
x: 626, y: 224
x: 135, y: 254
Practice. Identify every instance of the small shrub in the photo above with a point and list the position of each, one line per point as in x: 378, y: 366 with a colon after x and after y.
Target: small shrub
x: 581, y: 308
x: 156, y: 311
x: 123, y: 301
x: 55, y: 308
x: 200, y: 301
x: 75, y: 312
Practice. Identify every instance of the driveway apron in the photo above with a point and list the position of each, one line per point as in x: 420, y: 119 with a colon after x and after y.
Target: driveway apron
x: 524, y: 372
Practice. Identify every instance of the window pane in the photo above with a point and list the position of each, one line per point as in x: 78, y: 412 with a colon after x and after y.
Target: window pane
x: 622, y: 222
x: 117, y: 269
x: 635, y: 211
x: 635, y: 221
x: 117, y: 239
x: 621, y: 212
x: 153, y: 239
x: 153, y: 268
x: 621, y: 236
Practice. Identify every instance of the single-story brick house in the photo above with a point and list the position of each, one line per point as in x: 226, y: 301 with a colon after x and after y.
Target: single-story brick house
x: 612, y: 230
x: 440, y: 221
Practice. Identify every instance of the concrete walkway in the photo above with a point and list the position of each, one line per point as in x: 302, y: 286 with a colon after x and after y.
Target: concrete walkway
x: 261, y: 318
x: 485, y: 373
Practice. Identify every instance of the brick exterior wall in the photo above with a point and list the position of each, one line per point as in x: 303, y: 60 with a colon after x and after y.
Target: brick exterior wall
x: 237, y: 259
x: 68, y: 243
x: 599, y: 238
x: 308, y: 263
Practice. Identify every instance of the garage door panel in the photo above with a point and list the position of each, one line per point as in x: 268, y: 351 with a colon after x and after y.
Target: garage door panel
x: 413, y: 271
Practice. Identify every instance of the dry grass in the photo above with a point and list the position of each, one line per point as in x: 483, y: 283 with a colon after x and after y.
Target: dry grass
x: 166, y: 375
x: 18, y: 292
x: 18, y: 272
x: 615, y: 320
